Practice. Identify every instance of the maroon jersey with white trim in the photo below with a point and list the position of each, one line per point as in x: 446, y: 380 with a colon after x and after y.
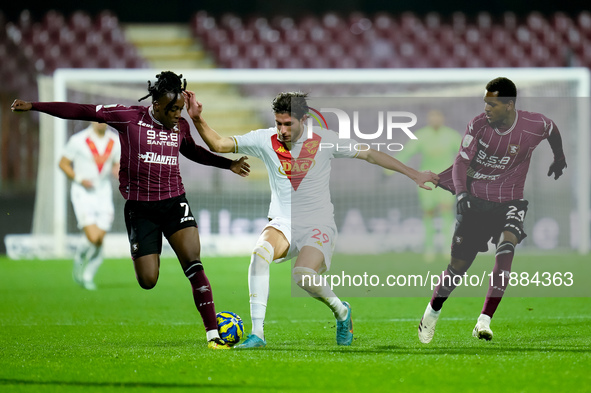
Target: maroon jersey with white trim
x: 149, y: 153
x: 149, y: 167
x: 492, y: 164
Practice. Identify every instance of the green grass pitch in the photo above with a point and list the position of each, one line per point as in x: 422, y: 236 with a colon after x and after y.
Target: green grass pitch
x: 57, y: 337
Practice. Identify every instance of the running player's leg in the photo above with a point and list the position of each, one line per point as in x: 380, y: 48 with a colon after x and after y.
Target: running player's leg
x: 500, y: 274
x: 511, y: 217
x: 95, y: 236
x: 305, y: 273
x: 145, y: 239
x: 147, y: 270
x: 271, y: 245
x: 83, y: 210
x: 498, y: 284
x: 469, y: 238
x: 80, y: 257
x: 185, y: 243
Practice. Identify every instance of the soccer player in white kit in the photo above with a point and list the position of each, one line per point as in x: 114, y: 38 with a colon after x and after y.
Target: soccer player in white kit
x: 301, y: 216
x: 89, y: 159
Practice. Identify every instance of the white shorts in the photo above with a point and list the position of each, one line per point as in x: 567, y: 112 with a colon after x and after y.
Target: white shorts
x: 321, y: 237
x: 93, y: 208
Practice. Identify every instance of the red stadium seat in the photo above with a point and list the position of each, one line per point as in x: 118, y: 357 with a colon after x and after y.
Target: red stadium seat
x: 106, y: 21
x: 53, y: 20
x: 80, y: 20
x: 484, y: 21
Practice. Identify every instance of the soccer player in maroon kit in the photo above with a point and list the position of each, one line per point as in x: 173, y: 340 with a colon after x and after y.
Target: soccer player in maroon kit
x: 488, y: 177
x: 149, y: 179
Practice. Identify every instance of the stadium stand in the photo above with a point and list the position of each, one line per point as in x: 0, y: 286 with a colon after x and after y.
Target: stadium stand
x: 77, y: 41
x: 29, y: 48
x: 396, y: 41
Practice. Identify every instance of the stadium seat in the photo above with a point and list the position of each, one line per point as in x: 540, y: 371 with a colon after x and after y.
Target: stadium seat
x: 80, y: 20
x: 408, y: 40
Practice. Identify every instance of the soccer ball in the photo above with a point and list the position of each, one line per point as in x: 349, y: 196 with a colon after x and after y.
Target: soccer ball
x: 230, y: 327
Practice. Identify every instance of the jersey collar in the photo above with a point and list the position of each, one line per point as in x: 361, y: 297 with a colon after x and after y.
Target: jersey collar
x: 510, y: 128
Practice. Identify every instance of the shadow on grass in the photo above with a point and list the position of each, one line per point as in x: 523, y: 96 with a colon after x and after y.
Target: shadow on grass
x: 486, y: 349
x: 11, y: 381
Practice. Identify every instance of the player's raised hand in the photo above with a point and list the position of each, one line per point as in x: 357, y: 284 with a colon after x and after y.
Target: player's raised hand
x: 240, y: 166
x: 557, y: 168
x: 194, y: 107
x: 427, y: 176
x: 21, y: 106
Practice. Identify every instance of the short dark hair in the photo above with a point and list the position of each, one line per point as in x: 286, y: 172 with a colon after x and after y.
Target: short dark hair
x: 166, y: 82
x: 291, y: 102
x: 505, y: 87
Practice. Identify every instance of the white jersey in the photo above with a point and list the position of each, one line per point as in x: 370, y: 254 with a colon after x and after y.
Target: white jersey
x: 301, y: 175
x: 93, y: 157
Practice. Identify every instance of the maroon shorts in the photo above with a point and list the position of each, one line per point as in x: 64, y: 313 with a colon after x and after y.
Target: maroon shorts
x: 485, y: 221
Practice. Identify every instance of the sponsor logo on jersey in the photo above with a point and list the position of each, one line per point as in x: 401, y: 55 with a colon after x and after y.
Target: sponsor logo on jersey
x: 143, y: 124
x: 154, y: 158
x: 185, y: 219
x: 513, y: 149
x: 296, y: 168
x: 481, y: 176
x: 467, y: 140
x: 311, y: 146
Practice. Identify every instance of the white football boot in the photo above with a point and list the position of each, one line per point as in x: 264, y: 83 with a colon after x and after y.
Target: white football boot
x: 427, y: 324
x: 482, y: 329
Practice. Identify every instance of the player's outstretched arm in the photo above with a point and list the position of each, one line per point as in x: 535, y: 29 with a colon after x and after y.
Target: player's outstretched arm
x: 386, y: 161
x: 214, y: 141
x: 63, y: 110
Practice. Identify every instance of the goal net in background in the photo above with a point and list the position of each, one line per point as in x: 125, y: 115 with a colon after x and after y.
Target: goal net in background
x: 231, y: 210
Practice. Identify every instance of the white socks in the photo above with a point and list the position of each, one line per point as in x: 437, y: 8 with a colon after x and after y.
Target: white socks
x: 211, y: 334
x: 484, y: 319
x: 95, y: 260
x: 258, y: 285
x: 82, y: 250
x: 308, y: 279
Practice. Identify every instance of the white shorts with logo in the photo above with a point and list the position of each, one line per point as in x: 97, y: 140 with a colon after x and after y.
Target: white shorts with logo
x: 93, y: 208
x: 321, y: 237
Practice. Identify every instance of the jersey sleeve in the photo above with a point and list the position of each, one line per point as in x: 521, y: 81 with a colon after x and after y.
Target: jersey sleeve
x: 67, y: 110
x: 468, y: 149
x: 554, y: 138
x: 342, y: 148
x: 250, y: 143
x: 115, y: 113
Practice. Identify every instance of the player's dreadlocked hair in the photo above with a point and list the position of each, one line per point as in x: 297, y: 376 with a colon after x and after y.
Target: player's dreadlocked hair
x: 292, y: 102
x: 505, y: 87
x: 167, y: 82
